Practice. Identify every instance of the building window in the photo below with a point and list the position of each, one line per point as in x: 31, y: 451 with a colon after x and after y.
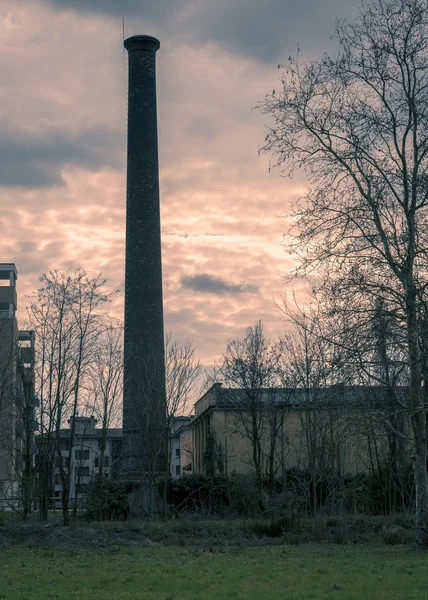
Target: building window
x: 65, y: 445
x: 177, y: 470
x: 82, y: 472
x: 81, y: 454
x: 97, y: 462
x: 177, y: 453
x: 116, y: 447
x: 82, y: 488
x: 4, y: 310
x: 57, y: 462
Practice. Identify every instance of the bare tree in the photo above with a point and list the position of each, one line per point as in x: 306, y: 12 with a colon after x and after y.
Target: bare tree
x: 182, y: 373
x: 313, y: 365
x: 26, y: 403
x: 106, y: 385
x: 250, y: 369
x: 356, y: 123
x: 367, y: 340
x: 67, y: 315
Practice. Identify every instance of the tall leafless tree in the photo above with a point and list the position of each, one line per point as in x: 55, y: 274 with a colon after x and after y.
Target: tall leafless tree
x: 249, y: 368
x: 182, y: 381
x: 67, y: 314
x: 315, y: 367
x: 357, y: 124
x: 106, y: 385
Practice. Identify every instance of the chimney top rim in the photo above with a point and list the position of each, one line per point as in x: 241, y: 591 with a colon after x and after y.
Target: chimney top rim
x: 142, y: 42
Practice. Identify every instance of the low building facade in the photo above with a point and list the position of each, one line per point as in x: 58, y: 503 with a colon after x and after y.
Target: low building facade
x: 330, y: 430
x: 179, y: 426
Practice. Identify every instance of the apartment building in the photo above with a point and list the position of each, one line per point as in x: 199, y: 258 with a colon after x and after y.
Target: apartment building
x: 85, y: 457
x: 17, y: 397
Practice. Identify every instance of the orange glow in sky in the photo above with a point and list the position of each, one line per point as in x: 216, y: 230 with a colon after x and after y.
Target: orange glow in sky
x: 63, y: 138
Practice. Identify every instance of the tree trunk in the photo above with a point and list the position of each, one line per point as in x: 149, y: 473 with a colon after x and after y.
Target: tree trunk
x: 421, y: 480
x: 76, y: 492
x: 65, y: 512
x: 101, y: 459
x: 418, y: 416
x: 272, y: 448
x: 44, y: 473
x: 27, y: 487
x: 65, y: 496
x: 43, y: 507
x: 314, y: 491
x: 167, y: 469
x: 257, y: 453
x: 258, y: 473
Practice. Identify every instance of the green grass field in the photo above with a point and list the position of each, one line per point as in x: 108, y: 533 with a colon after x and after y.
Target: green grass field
x: 263, y: 573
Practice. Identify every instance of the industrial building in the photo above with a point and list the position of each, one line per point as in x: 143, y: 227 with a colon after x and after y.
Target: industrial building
x: 337, y: 428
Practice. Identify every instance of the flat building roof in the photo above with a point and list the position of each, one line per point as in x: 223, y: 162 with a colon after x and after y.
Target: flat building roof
x: 9, y: 267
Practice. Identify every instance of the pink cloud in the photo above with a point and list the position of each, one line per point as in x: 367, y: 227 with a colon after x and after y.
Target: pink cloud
x: 65, y: 72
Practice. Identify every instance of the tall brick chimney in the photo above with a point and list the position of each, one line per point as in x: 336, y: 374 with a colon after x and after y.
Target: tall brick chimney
x: 144, y: 368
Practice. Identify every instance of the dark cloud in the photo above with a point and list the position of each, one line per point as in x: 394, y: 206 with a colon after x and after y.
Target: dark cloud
x: 142, y: 8
x: 36, y: 159
x: 215, y: 285
x: 269, y: 29
x: 28, y: 258
x: 262, y: 29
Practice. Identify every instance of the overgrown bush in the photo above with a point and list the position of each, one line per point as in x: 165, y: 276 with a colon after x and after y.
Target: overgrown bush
x: 198, y: 493
x: 243, y: 495
x: 238, y: 494
x: 106, y: 501
x: 405, y: 521
x: 275, y: 527
x: 397, y: 535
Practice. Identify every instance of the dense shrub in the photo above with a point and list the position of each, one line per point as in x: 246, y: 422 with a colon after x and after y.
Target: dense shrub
x: 405, y: 521
x: 331, y: 522
x: 238, y: 494
x: 107, y: 501
x: 275, y: 527
x: 243, y: 495
x: 397, y: 535
x: 198, y: 493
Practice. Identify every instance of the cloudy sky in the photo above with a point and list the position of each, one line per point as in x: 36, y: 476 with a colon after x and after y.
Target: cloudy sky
x: 63, y: 101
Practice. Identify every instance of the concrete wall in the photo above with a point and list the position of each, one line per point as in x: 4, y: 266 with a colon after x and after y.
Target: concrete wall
x: 331, y: 440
